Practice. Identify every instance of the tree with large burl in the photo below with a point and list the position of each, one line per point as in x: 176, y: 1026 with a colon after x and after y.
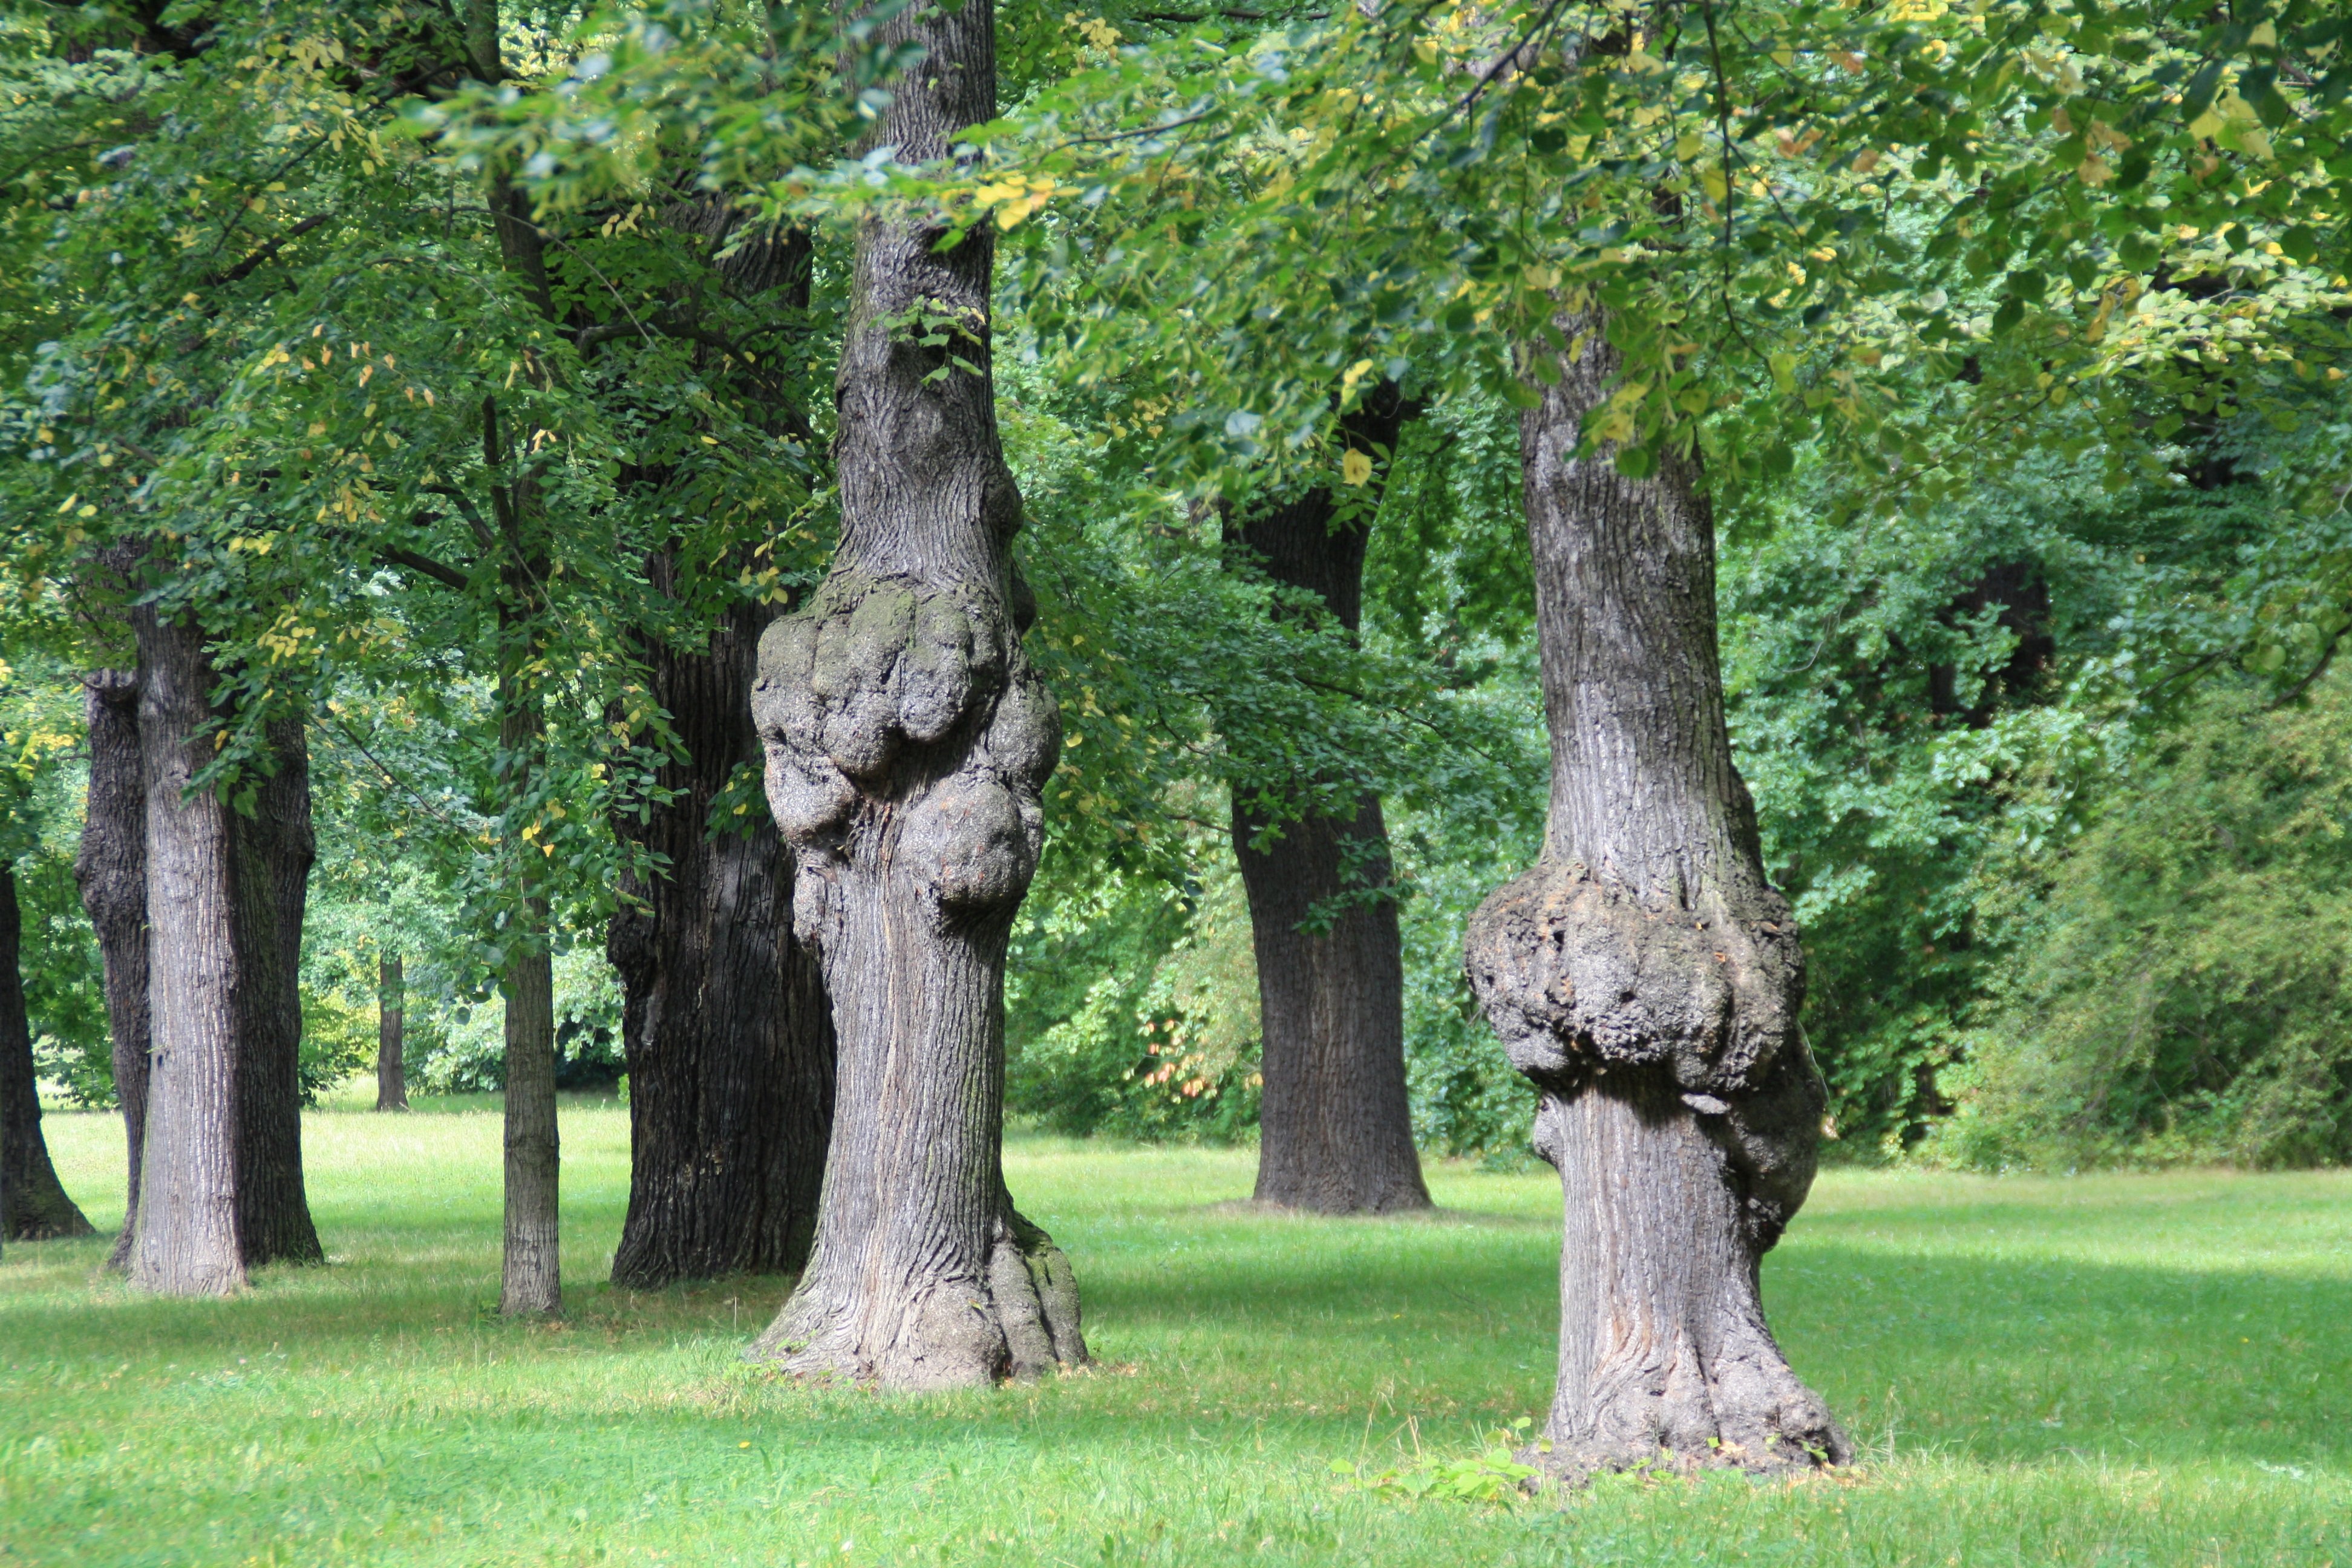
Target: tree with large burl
x: 906, y: 739
x: 1646, y: 976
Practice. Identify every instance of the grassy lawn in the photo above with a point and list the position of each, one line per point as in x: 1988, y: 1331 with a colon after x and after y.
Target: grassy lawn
x: 2108, y: 1370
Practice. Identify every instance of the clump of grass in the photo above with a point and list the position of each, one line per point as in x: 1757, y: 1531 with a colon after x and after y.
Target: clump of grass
x: 2125, y: 1370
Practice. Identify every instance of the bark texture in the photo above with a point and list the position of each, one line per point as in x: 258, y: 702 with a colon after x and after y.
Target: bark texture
x: 111, y: 867
x: 33, y: 1202
x: 906, y: 739
x: 186, y: 1243
x: 1335, y: 1127
x: 1646, y: 977
x: 391, y: 1021
x: 724, y: 1019
x: 270, y: 856
x: 532, y: 1274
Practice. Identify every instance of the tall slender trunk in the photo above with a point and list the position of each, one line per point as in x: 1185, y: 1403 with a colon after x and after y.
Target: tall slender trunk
x: 724, y: 1019
x: 272, y: 852
x: 186, y: 1243
x: 391, y: 1013
x: 1647, y: 977
x: 111, y: 867
x: 1335, y: 1127
x: 908, y: 738
x: 33, y: 1202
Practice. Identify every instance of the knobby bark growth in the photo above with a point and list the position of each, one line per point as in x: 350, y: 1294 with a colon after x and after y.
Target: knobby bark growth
x: 111, y: 867
x: 391, y: 1021
x: 908, y: 738
x: 1646, y: 977
x: 33, y: 1202
x: 1335, y: 1126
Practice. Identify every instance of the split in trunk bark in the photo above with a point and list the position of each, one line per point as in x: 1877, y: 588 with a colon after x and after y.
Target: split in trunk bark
x: 113, y: 870
x: 1647, y: 977
x: 392, y: 1014
x: 1335, y: 1127
x: 724, y: 1018
x: 33, y: 1202
x: 908, y: 738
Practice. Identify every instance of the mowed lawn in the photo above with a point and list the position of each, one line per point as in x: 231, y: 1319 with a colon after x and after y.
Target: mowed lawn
x: 2144, y: 1369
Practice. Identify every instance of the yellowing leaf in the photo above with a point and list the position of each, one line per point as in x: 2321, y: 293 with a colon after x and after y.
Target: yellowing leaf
x: 1356, y: 467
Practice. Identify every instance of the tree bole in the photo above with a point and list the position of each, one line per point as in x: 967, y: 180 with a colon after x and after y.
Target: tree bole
x: 111, y: 867
x: 391, y: 1023
x: 1646, y: 977
x: 34, y: 1206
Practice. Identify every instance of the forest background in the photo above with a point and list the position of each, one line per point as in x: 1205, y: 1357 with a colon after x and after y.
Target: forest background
x: 2047, y: 745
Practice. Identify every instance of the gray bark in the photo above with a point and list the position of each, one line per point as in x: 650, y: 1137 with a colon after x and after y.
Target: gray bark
x: 271, y: 853
x: 33, y: 1202
x: 1335, y: 1126
x: 1646, y: 977
x: 111, y: 867
x: 392, y: 1014
x: 908, y: 738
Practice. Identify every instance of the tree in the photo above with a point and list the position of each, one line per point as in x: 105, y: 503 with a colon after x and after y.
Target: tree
x: 1335, y: 1127
x: 113, y: 870
x: 908, y: 738
x: 1646, y: 977
x: 33, y: 1202
x: 391, y: 1013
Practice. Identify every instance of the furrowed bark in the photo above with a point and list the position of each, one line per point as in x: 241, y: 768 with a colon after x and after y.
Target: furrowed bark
x: 272, y: 852
x: 33, y: 1202
x: 908, y: 738
x: 1646, y: 977
x: 391, y: 1013
x: 729, y: 1037
x: 111, y: 867
x: 186, y: 1241
x: 1335, y: 1127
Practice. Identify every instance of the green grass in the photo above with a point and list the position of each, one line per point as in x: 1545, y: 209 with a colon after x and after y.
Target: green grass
x: 2111, y: 1370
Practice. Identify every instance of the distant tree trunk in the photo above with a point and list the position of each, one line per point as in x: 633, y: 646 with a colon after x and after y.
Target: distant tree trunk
x: 908, y: 738
x: 33, y: 1202
x: 1647, y: 977
x: 2023, y: 591
x: 392, y: 1011
x: 1335, y: 1128
x: 272, y: 852
x: 186, y: 1243
x: 113, y: 870
x: 724, y: 1018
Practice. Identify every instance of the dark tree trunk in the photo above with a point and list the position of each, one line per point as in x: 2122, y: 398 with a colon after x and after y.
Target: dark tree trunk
x: 186, y: 1243
x: 729, y: 1038
x: 113, y: 870
x: 33, y: 1202
x: 2022, y: 592
x: 271, y: 852
x: 908, y: 738
x: 392, y: 1011
x: 1647, y: 977
x: 1335, y: 1128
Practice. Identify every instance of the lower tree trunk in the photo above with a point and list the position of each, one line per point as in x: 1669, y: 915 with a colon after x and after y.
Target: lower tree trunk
x: 113, y: 870
x: 908, y: 738
x: 724, y: 1017
x: 186, y: 1242
x: 392, y: 1011
x: 272, y: 852
x: 33, y: 1202
x: 1647, y: 977
x: 1335, y: 1126
x: 531, y: 1275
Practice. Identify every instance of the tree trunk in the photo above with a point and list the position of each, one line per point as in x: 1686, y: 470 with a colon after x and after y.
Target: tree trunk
x: 908, y: 738
x: 113, y: 870
x: 186, y: 1242
x: 33, y: 1202
x: 1647, y: 977
x: 724, y: 1019
x: 1335, y: 1128
x: 392, y: 1011
x: 272, y: 854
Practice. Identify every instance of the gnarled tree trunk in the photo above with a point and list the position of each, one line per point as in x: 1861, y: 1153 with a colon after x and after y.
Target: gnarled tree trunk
x: 724, y: 1018
x: 1335, y: 1128
x: 271, y: 852
x: 1646, y: 977
x: 390, y: 1018
x: 33, y: 1202
x: 113, y: 870
x: 908, y: 738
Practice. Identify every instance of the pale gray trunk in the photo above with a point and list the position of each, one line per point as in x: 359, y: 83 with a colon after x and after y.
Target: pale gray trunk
x: 1646, y: 976
x: 906, y: 739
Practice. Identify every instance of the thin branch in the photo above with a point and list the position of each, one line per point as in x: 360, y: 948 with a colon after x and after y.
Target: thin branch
x: 268, y: 253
